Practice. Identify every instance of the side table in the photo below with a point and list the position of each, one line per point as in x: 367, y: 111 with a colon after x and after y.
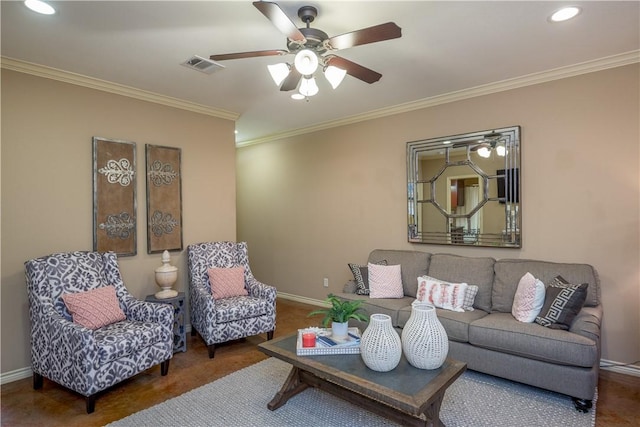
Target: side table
x: 179, y: 335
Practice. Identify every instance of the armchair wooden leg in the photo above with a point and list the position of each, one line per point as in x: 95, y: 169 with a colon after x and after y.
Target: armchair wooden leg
x: 212, y: 350
x: 269, y: 335
x: 164, y: 367
x: 91, y: 403
x: 37, y: 381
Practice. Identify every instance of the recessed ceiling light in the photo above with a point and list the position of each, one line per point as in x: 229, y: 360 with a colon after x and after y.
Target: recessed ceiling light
x: 297, y: 96
x: 40, y: 7
x: 564, y: 14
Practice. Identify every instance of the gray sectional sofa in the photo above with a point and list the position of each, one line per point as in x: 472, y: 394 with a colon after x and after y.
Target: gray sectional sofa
x: 489, y: 339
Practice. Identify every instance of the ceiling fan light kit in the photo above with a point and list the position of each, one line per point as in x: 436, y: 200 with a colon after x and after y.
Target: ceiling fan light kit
x: 314, y: 48
x: 279, y: 72
x: 306, y: 62
x: 334, y: 75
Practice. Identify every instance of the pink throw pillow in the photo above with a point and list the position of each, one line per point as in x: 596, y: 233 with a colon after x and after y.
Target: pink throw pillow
x: 95, y: 308
x: 227, y: 282
x: 529, y: 299
x: 385, y: 281
x: 449, y: 296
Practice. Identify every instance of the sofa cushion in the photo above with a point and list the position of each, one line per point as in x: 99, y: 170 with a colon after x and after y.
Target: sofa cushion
x: 237, y: 308
x: 456, y: 324
x: 501, y: 332
x: 388, y: 306
x: 509, y: 272
x: 414, y: 264
x: 562, y: 304
x: 473, y: 271
x: 124, y: 338
x: 529, y: 299
x: 361, y: 276
x: 450, y: 296
x: 385, y: 281
x: 226, y: 282
x: 95, y: 308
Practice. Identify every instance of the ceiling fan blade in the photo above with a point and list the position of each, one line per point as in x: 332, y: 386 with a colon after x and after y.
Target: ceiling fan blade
x: 240, y: 55
x: 280, y: 19
x: 355, y: 70
x: 374, y: 34
x: 292, y: 80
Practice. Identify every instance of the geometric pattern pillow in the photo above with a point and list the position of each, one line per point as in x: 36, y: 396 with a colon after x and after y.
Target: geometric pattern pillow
x: 529, y: 299
x: 95, y: 308
x: 448, y: 296
x: 562, y: 303
x: 385, y: 281
x: 470, y: 297
x: 361, y: 276
x: 227, y: 282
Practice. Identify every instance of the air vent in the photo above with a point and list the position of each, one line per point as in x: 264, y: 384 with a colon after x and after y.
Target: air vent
x: 203, y: 65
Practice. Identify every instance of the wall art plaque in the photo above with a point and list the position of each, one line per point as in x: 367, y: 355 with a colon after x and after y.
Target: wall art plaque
x: 164, y: 198
x: 114, y: 196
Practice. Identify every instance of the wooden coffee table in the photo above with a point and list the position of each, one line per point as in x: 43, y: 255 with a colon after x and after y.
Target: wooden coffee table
x: 408, y: 395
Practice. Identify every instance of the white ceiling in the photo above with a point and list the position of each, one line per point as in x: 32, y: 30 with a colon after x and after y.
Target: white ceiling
x: 446, y: 46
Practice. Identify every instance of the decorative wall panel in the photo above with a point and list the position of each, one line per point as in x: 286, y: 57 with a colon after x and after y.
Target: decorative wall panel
x: 164, y: 198
x: 114, y: 196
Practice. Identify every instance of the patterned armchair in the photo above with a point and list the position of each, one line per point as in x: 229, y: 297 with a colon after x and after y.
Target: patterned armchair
x: 91, y: 360
x: 226, y: 319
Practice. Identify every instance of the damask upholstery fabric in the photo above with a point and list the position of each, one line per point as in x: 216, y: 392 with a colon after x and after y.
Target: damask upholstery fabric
x: 84, y: 360
x: 226, y: 319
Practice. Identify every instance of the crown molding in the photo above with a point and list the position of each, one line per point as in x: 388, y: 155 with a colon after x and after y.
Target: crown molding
x: 118, y: 89
x: 501, y: 86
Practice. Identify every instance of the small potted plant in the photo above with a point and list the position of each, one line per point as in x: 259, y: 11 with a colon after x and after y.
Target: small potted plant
x: 339, y: 313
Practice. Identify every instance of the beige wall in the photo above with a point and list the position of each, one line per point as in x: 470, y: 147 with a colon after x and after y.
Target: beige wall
x: 308, y: 205
x: 47, y: 128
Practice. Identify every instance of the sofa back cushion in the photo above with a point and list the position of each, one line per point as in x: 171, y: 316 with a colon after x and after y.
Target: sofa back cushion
x: 413, y: 264
x: 510, y: 271
x: 473, y: 271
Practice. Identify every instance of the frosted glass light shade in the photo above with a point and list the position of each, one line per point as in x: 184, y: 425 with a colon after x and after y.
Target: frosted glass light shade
x: 278, y: 72
x: 565, y: 14
x: 308, y: 86
x: 334, y: 75
x: 40, y: 7
x: 306, y: 62
x: 501, y: 150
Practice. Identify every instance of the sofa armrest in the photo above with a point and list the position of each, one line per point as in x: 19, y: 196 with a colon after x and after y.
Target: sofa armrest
x: 260, y: 290
x: 588, y: 323
x: 350, y: 287
x: 143, y: 311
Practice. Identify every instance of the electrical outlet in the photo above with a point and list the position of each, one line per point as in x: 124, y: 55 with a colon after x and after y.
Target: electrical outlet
x: 325, y: 282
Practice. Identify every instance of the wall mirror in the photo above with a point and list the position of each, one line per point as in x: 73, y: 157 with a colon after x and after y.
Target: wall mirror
x: 465, y: 189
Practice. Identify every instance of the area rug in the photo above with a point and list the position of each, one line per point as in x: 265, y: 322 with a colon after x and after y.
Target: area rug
x: 240, y: 399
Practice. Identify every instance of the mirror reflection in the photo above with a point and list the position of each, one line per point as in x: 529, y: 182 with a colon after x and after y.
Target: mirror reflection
x: 465, y: 189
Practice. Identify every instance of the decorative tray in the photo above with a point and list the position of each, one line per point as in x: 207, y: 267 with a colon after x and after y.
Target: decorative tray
x: 326, y: 344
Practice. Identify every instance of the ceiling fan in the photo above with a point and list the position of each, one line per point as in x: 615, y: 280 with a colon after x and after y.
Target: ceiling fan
x: 314, y: 47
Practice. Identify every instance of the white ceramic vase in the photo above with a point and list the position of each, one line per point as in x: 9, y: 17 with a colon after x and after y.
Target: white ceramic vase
x: 424, y: 341
x: 380, y: 345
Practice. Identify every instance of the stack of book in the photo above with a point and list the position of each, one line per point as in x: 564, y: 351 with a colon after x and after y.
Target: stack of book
x: 326, y: 344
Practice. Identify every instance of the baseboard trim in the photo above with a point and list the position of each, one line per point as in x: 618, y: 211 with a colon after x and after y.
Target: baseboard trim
x: 18, y: 374
x: 303, y: 300
x: 621, y: 368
